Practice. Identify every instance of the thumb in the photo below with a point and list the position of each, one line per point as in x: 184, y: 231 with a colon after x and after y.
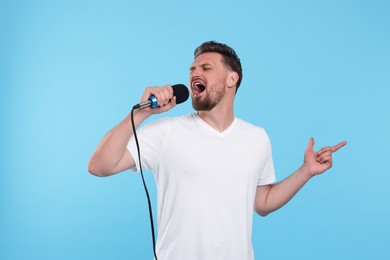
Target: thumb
x: 310, y: 146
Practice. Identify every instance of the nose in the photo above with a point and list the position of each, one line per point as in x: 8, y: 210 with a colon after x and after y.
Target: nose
x: 195, y: 73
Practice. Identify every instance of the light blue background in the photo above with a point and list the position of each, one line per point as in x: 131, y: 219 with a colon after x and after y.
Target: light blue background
x: 70, y: 70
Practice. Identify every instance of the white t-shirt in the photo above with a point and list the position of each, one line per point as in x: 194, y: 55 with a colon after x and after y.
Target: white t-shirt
x: 206, y: 184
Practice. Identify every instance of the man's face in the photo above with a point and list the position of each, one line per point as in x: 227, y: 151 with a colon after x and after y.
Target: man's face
x: 208, y: 77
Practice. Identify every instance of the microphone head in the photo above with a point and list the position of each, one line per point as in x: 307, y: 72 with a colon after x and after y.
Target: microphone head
x: 181, y: 92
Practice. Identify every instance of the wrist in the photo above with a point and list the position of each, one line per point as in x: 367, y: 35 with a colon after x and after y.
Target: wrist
x: 138, y: 116
x: 304, y: 172
x: 141, y: 114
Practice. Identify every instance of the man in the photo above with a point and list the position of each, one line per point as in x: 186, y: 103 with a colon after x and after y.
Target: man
x: 211, y: 168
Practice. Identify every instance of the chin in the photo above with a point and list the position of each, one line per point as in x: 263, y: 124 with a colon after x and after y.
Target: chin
x: 201, y: 107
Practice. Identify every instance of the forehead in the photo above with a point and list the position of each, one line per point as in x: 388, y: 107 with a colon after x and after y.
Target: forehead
x: 212, y: 58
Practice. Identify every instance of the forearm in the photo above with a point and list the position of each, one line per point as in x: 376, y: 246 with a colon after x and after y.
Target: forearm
x: 108, y: 157
x: 277, y: 195
x: 111, y: 155
x: 271, y: 197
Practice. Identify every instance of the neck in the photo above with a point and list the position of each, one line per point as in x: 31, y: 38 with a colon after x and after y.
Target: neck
x: 220, y: 117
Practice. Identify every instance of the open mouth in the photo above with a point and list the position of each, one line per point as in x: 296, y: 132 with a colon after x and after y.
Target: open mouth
x: 197, y: 88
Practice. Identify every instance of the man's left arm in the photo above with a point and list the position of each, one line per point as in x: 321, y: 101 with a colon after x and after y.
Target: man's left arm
x: 272, y: 197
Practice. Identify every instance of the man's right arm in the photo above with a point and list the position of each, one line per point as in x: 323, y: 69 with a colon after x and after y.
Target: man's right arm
x: 111, y: 155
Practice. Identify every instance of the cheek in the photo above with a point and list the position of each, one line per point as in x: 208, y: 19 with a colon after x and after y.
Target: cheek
x: 221, y: 82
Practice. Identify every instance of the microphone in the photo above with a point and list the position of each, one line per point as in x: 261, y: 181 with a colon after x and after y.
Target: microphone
x: 180, y: 91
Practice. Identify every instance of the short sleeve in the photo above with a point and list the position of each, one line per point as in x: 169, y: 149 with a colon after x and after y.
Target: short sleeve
x: 267, y: 174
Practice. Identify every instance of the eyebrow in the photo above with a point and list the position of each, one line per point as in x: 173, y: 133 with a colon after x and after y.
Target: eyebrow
x: 200, y: 65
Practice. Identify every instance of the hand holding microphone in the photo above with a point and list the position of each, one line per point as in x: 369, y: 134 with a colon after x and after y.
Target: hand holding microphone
x: 162, y: 99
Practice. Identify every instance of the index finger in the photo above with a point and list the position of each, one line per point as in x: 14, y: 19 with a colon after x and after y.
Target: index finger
x: 338, y: 146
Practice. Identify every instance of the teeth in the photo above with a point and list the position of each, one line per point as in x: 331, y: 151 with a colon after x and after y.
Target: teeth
x: 197, y: 83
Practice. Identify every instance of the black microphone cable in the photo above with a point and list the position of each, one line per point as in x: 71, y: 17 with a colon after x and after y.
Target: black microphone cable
x: 146, y: 189
x: 181, y: 93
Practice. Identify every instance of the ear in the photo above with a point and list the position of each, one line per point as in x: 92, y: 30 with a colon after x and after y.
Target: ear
x: 232, y: 79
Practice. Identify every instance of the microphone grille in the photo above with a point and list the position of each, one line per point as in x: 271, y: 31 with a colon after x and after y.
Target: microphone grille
x: 181, y: 92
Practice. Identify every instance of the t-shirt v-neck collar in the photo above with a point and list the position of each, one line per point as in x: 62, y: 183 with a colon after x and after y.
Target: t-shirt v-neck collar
x: 214, y: 131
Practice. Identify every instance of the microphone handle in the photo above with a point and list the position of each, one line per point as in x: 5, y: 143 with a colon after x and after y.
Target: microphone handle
x: 151, y: 102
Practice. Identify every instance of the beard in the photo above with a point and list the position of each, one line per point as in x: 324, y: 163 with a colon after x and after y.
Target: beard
x: 209, y: 101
